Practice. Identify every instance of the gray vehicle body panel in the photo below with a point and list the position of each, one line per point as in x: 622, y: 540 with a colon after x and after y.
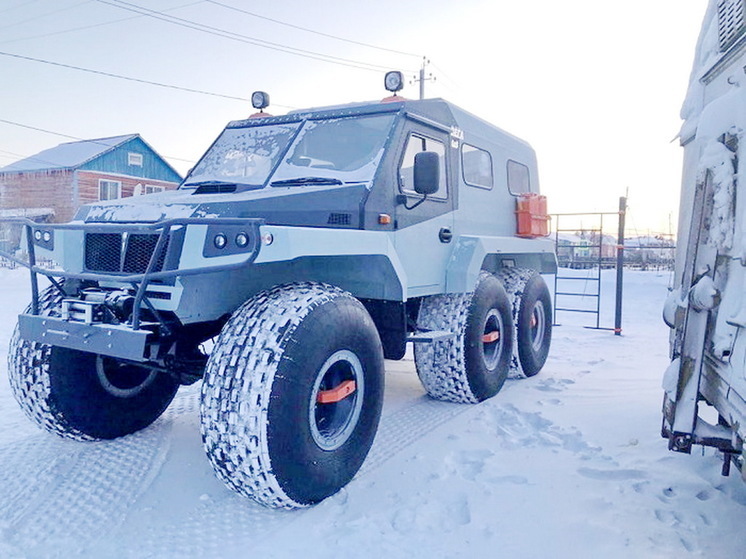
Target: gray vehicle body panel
x: 321, y: 231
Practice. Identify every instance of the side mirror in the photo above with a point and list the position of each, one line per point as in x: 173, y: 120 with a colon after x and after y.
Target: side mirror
x: 426, y: 172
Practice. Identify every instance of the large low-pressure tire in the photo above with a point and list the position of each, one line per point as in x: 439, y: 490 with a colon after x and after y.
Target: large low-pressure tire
x: 473, y: 365
x: 79, y: 395
x: 292, y: 395
x: 532, y: 317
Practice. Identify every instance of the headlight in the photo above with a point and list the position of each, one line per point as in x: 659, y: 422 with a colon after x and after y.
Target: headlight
x: 220, y: 241
x: 47, y: 236
x: 37, y: 235
x: 242, y: 239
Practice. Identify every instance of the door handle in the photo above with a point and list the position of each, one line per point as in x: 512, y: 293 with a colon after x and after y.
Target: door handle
x: 445, y: 235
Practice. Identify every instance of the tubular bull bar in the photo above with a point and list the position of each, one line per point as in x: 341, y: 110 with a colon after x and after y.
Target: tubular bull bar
x: 128, y: 340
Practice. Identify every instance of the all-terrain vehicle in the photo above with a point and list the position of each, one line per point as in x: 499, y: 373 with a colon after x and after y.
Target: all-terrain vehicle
x: 309, y: 247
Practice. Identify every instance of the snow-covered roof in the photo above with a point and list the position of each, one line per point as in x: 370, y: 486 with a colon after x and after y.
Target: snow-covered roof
x: 69, y: 155
x: 30, y: 213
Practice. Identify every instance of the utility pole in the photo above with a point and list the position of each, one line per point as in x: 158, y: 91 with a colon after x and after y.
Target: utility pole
x: 422, y: 78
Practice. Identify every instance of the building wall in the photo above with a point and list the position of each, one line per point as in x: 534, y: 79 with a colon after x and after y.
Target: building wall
x: 117, y: 161
x: 63, y: 190
x: 88, y: 185
x: 37, y: 189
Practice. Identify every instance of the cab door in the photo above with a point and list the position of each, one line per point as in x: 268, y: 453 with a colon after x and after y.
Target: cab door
x: 425, y: 228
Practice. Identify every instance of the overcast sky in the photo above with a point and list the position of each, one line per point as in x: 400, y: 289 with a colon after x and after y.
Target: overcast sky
x: 595, y: 87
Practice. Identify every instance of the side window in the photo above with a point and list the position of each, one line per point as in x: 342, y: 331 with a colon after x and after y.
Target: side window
x: 518, y: 178
x: 477, y: 166
x: 109, y: 190
x: 415, y: 144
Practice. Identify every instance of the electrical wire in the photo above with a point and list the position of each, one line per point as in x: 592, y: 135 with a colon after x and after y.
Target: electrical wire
x: 92, y: 26
x: 328, y: 35
x: 76, y: 138
x: 121, y: 77
x: 189, y: 24
x: 21, y: 5
x: 39, y: 16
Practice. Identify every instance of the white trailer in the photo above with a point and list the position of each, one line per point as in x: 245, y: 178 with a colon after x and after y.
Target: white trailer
x: 705, y: 385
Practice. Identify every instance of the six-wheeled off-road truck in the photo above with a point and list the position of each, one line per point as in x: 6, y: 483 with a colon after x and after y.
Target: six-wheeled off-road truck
x: 304, y: 249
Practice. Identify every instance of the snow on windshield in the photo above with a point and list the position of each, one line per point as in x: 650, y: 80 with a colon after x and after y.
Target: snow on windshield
x: 347, y: 149
x: 243, y: 155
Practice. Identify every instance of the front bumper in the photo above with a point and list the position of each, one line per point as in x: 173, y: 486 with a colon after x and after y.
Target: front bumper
x: 114, y: 340
x: 176, y: 248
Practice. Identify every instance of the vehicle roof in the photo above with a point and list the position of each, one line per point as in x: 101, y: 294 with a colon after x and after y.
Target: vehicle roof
x: 436, y: 111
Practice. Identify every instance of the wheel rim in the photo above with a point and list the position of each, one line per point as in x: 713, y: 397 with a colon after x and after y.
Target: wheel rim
x: 538, y: 326
x: 336, y: 400
x: 492, y: 342
x: 122, y: 379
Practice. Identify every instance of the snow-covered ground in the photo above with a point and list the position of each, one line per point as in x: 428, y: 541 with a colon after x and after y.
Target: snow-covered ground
x: 567, y: 464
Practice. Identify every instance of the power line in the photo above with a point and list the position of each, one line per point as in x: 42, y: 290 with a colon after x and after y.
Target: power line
x: 242, y: 38
x: 39, y: 16
x: 129, y: 78
x: 330, y: 36
x: 68, y: 136
x: 94, y: 25
x: 21, y: 5
x: 16, y: 155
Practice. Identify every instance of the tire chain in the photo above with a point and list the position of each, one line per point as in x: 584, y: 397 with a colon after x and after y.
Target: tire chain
x: 243, y: 363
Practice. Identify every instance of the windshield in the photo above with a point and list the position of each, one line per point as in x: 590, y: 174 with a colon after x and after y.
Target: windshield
x: 243, y: 155
x: 345, y: 149
x: 324, y: 152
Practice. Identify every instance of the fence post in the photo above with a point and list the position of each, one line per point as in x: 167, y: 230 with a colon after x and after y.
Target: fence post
x: 620, y: 266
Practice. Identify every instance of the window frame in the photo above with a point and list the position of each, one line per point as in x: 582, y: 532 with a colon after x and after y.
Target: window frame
x: 152, y: 188
x: 135, y: 159
x: 108, y: 184
x: 528, y: 177
x: 463, y: 167
x: 444, y: 171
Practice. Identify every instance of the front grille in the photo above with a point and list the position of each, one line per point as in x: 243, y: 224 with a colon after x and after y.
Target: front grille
x: 127, y: 253
x: 103, y: 252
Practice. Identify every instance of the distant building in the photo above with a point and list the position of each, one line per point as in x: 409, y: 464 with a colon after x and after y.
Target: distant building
x: 53, y: 184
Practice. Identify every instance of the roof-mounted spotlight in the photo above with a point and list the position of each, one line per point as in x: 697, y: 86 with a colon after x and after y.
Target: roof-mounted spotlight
x: 394, y: 81
x: 260, y: 100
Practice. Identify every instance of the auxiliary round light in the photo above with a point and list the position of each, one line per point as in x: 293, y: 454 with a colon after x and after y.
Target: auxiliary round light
x: 268, y: 239
x: 394, y: 81
x: 37, y: 235
x: 220, y: 241
x: 47, y: 236
x: 242, y: 239
x: 260, y: 100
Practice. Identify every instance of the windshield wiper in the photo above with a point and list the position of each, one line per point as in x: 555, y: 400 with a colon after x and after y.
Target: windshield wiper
x: 300, y: 181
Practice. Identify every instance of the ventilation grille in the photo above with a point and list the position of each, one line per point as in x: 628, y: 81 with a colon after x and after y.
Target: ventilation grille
x: 339, y: 219
x: 730, y: 22
x: 215, y: 189
x: 122, y: 253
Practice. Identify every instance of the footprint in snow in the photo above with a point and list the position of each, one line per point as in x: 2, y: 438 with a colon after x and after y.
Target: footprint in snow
x: 611, y: 475
x: 552, y: 385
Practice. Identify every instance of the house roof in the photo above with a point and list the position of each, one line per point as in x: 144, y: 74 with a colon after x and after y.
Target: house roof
x: 69, y: 155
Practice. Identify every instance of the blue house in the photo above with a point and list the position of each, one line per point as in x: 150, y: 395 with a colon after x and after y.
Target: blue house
x: 54, y: 183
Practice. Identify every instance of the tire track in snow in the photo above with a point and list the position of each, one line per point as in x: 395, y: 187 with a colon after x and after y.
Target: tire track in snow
x: 57, y: 497
x: 227, y: 517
